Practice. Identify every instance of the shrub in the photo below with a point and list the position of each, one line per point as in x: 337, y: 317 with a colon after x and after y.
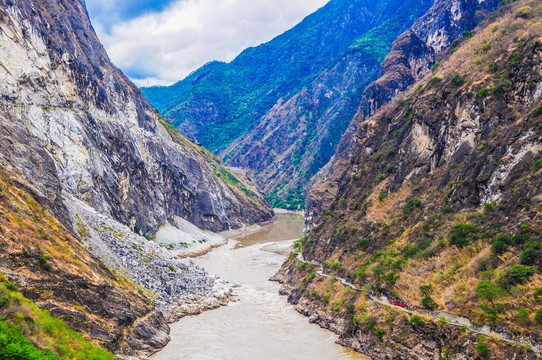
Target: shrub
x: 428, y: 302
x: 538, y: 317
x: 11, y: 286
x: 391, y: 278
x: 461, y: 234
x: 363, y: 243
x: 489, y: 207
x: 426, y: 289
x: 525, y: 11
x: 458, y: 80
x: 310, y: 277
x: 382, y: 195
x: 539, y: 110
x: 411, y: 251
x: 43, y: 263
x: 522, y: 315
x: 517, y: 275
x: 537, y: 165
x: 416, y: 320
x: 411, y: 204
x: 499, y: 246
x: 488, y: 291
x: 4, y: 300
x: 517, y: 239
x: 482, y: 92
x: 447, y: 209
x: 486, y: 47
x: 529, y: 257
x: 379, y: 332
x: 435, y: 80
x: 483, y: 350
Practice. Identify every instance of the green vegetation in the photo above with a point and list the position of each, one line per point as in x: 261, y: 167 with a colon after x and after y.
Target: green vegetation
x: 435, y: 80
x: 488, y: 291
x: 14, y: 346
x: 462, y: 234
x: 483, y: 350
x: 23, y: 324
x: 364, y: 243
x: 411, y: 204
x: 416, y: 320
x: 428, y: 302
x: 43, y: 262
x: 245, y: 89
x: 517, y: 275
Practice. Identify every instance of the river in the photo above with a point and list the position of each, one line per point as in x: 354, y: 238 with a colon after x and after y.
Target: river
x: 261, y: 325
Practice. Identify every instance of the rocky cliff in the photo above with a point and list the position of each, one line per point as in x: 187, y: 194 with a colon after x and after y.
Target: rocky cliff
x: 438, y: 208
x: 411, y: 56
x: 79, y: 140
x: 70, y: 113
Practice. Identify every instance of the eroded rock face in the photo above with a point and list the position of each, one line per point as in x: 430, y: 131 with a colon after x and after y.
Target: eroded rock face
x: 411, y: 56
x: 73, y: 121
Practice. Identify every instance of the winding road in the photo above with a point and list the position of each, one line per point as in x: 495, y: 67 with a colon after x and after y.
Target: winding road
x: 450, y: 319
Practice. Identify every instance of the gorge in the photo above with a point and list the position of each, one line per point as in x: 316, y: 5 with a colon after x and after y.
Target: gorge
x: 408, y: 133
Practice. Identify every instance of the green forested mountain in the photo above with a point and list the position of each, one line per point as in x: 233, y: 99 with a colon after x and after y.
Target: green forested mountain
x: 333, y: 53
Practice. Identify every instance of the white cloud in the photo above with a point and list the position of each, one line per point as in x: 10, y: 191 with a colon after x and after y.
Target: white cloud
x: 162, y: 48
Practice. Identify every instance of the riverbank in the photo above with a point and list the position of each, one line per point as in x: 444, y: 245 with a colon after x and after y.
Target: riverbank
x: 416, y: 333
x: 260, y: 324
x: 288, y: 212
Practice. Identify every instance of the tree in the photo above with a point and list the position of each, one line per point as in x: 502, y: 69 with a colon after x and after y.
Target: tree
x: 517, y: 275
x: 488, y: 291
x: 462, y: 234
x: 538, y: 317
x: 529, y: 257
x: 428, y: 302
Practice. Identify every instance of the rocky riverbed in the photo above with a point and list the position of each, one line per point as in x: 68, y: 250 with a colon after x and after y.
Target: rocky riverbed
x: 178, y: 286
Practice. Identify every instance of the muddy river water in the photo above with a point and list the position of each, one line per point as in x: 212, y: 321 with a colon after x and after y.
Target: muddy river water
x: 261, y: 325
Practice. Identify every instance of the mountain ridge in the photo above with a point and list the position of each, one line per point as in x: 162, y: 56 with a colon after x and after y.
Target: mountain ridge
x: 308, y: 74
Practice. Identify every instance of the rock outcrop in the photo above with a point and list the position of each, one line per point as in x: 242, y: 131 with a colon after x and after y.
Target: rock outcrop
x: 73, y: 121
x: 411, y: 57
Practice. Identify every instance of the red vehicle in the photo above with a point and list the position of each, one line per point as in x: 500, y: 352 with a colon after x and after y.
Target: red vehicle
x: 397, y: 304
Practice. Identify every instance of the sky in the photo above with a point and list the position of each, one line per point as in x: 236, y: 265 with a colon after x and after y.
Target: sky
x: 159, y: 42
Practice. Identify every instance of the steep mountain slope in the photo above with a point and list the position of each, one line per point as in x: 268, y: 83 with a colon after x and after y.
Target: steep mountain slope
x: 72, y: 114
x: 46, y: 264
x: 438, y: 207
x: 89, y: 167
x: 283, y: 106
x: 414, y: 52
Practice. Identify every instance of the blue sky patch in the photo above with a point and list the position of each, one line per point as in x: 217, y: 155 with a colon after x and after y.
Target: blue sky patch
x: 108, y: 13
